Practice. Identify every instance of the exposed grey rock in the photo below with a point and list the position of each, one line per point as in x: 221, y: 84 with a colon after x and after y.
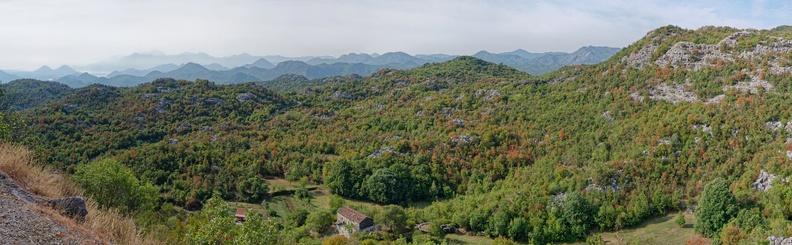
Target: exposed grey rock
x: 141, y: 117
x: 751, y: 86
x: 70, y: 107
x: 779, y: 240
x: 73, y: 207
x: 637, y: 97
x: 488, y: 94
x: 163, y: 105
x: 461, y: 140
x: 381, y: 151
x: 459, y: 122
x: 448, y: 111
x: 773, y: 125
x: 612, y: 187
x: 674, y: 94
x: 214, y: 101
x: 394, y: 137
x: 607, y: 116
x: 764, y: 181
x: 559, y: 198
x: 324, y: 116
x: 692, y: 56
x: 206, y: 128
x: 400, y: 83
x: 703, y: 128
x: 184, y: 126
x: 245, y: 97
x: 173, y: 141
x: 640, y: 58
x: 340, y: 95
x: 419, y: 113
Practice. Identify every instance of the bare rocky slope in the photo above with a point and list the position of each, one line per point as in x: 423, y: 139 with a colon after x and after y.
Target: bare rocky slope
x: 26, y: 219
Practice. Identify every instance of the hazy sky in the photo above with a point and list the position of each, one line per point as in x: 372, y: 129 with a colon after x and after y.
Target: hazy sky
x: 79, y: 32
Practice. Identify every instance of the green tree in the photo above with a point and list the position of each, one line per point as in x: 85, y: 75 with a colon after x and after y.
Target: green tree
x: 499, y: 223
x: 298, y: 217
x: 576, y: 213
x: 257, y: 230
x: 384, y: 186
x: 716, y: 206
x: 335, y: 240
x: 436, y: 229
x: 302, y: 191
x: 519, y: 229
x: 606, y: 216
x: 393, y: 217
x: 680, y: 219
x: 336, y: 202
x: 732, y: 235
x: 212, y: 225
x: 113, y: 185
x: 252, y: 189
x: 420, y: 238
x: 345, y: 178
x: 319, y: 220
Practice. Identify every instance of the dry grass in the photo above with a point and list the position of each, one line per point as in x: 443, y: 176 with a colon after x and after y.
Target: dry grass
x: 105, y: 224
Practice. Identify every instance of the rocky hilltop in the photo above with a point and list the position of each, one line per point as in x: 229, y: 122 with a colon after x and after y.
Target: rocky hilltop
x: 679, y: 65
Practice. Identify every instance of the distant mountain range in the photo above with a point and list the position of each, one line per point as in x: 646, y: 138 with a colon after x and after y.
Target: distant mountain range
x: 140, y: 68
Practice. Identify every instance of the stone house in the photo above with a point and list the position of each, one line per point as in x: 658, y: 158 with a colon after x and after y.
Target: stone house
x: 349, y: 222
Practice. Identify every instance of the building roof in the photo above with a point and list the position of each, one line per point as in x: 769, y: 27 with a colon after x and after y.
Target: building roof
x: 351, y: 214
x: 240, y: 213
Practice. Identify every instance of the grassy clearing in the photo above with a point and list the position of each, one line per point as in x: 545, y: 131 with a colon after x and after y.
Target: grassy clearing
x: 466, y: 239
x: 661, y: 230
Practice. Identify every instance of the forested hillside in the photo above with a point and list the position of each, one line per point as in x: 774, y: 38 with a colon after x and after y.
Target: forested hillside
x: 677, y: 118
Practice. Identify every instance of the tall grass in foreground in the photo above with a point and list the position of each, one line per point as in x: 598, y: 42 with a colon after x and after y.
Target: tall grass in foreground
x: 107, y: 224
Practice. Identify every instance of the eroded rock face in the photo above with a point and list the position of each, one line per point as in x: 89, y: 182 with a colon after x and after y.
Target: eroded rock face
x: 640, y: 58
x: 74, y: 207
x: 692, y: 56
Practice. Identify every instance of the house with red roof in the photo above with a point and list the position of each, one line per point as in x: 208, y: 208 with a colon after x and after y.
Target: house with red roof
x: 350, y: 221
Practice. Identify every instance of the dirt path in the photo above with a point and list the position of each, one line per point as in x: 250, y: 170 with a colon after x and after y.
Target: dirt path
x: 290, y: 203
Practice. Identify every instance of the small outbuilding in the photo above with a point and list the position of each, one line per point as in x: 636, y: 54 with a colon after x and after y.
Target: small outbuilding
x: 350, y: 221
x: 240, y: 215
